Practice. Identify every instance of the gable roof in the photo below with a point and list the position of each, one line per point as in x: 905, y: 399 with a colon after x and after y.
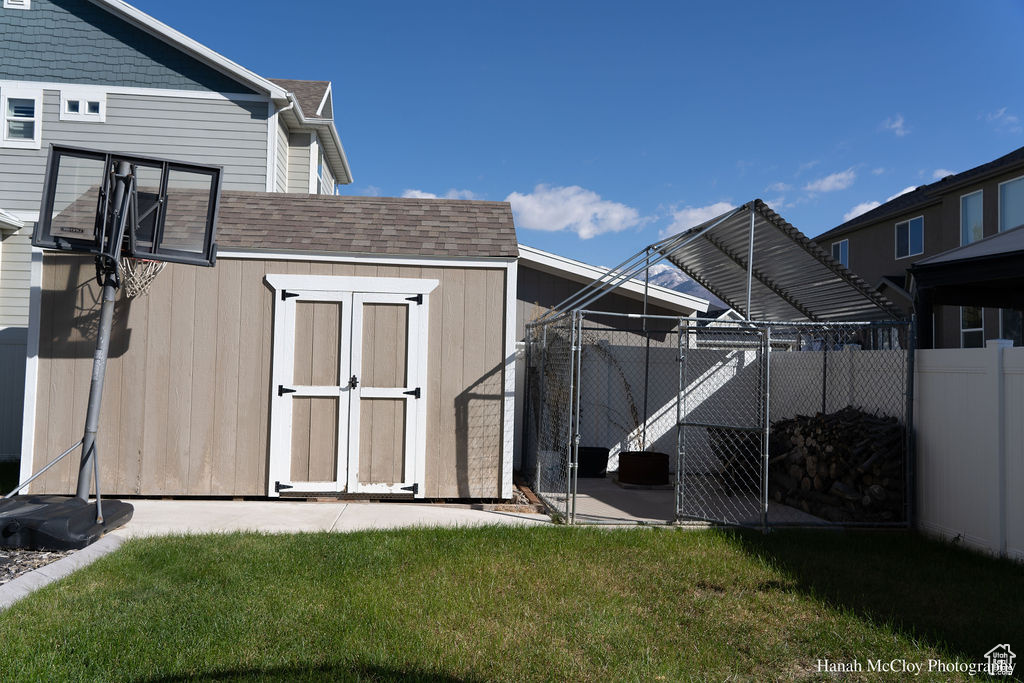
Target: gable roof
x: 308, y: 94
x: 926, y: 195
x: 572, y: 269
x: 278, y: 222
x: 192, y: 47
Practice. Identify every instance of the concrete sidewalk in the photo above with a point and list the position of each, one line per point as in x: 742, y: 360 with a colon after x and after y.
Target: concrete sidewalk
x: 159, y: 517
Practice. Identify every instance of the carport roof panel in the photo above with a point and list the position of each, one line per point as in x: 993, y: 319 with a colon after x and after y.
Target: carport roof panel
x: 792, y: 277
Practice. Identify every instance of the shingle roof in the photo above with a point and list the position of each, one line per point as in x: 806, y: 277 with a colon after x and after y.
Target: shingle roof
x: 309, y: 93
x: 365, y: 225
x: 927, y: 194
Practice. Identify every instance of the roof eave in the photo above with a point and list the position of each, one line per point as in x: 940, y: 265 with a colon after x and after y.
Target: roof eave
x: 10, y: 222
x: 333, y: 148
x: 193, y: 48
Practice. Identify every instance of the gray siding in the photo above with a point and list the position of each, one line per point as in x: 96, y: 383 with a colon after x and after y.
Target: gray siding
x: 75, y: 41
x: 328, y: 178
x: 281, y: 172
x: 221, y: 132
x: 15, y: 278
x: 298, y: 163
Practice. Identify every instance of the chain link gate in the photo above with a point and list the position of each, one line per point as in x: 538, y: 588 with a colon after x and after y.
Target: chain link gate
x: 721, y: 475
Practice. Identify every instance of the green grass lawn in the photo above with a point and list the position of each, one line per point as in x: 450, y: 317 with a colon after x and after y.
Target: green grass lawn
x: 512, y: 604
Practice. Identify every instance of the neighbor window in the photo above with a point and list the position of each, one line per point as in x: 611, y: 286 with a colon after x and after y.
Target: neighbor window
x: 971, y: 217
x: 22, y: 117
x: 1011, y: 204
x: 1011, y: 326
x: 972, y: 327
x: 841, y: 252
x: 83, y: 105
x: 910, y: 237
x: 17, y: 4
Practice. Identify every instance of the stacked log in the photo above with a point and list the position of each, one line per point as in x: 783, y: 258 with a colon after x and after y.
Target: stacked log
x: 846, y: 466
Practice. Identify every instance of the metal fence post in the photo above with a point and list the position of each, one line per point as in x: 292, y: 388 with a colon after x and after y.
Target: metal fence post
x: 766, y: 351
x: 574, y: 471
x: 680, y: 397
x: 911, y: 439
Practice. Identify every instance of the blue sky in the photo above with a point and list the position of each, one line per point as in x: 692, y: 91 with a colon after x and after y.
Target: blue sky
x: 610, y: 124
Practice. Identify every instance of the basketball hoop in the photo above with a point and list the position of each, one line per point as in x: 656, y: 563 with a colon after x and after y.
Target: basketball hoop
x: 137, y: 274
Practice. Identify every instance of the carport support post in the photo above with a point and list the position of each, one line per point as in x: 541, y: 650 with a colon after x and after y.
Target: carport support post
x: 750, y: 261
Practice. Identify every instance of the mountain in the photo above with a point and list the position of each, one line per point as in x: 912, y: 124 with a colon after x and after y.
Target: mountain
x: 668, y: 276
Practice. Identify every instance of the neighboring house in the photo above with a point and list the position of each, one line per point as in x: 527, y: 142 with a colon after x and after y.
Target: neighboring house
x: 235, y: 380
x: 546, y: 280
x: 102, y: 74
x: 957, y: 210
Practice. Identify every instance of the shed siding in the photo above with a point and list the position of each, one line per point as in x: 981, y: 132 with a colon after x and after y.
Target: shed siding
x: 15, y: 280
x: 219, y: 132
x: 298, y: 163
x: 186, y: 403
x: 73, y: 41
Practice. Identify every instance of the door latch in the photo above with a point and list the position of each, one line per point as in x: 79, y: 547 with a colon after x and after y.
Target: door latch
x: 353, y: 382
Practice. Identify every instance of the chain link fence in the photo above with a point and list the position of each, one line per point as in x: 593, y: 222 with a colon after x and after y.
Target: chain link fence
x: 655, y: 419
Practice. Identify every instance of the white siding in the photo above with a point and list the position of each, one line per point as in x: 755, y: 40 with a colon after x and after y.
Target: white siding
x: 281, y: 172
x: 298, y: 163
x: 221, y: 132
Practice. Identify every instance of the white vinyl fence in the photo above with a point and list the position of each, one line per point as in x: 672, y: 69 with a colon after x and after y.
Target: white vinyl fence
x: 969, y: 421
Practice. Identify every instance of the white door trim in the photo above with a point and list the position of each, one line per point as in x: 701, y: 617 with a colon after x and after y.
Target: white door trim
x: 352, y: 291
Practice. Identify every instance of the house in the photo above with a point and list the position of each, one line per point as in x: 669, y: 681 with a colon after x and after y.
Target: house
x: 102, y: 74
x: 882, y: 244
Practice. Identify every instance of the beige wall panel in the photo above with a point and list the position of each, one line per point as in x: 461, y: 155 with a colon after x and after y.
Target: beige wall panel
x: 385, y: 330
x: 381, y: 440
x: 225, y: 411
x: 186, y: 407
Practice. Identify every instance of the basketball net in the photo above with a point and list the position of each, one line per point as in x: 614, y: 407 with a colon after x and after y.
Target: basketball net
x: 137, y: 275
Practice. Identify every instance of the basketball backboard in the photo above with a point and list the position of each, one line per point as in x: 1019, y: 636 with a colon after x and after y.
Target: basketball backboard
x: 168, y: 212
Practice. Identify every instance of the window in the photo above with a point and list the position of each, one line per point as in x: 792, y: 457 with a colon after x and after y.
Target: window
x: 17, y: 4
x: 971, y: 218
x: 1011, y: 204
x: 972, y: 328
x: 910, y: 237
x: 83, y: 105
x: 1011, y: 326
x: 22, y: 118
x: 841, y: 252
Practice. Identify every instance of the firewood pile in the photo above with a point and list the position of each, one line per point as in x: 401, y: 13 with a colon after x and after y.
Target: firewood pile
x: 846, y: 466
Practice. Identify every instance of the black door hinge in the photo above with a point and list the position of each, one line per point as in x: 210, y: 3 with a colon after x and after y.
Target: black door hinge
x: 415, y: 488
x: 285, y: 295
x: 415, y: 393
x: 282, y: 390
x: 278, y: 486
x: 418, y: 299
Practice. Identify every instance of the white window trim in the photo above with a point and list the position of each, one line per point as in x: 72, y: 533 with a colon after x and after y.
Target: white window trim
x: 27, y: 94
x: 999, y: 202
x: 962, y: 198
x: 839, y: 260
x: 83, y: 95
x: 971, y: 329
x: 896, y: 241
x: 17, y: 4
x: 314, y: 144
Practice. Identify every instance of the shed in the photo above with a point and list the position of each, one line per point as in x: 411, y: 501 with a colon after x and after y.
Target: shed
x: 341, y: 345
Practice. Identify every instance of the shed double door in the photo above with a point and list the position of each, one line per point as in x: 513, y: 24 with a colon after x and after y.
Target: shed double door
x: 347, y: 393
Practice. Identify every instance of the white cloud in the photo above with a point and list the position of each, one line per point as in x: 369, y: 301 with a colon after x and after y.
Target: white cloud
x: 1005, y: 121
x: 861, y: 208
x: 689, y: 216
x: 908, y: 188
x: 450, y: 194
x: 571, y: 208
x: 370, y: 191
x: 831, y: 183
x: 940, y: 173
x: 897, y: 125
x: 779, y: 187
x: 877, y: 171
x: 806, y: 166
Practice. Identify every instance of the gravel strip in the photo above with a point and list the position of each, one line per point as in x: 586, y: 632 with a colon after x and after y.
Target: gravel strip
x: 14, y: 563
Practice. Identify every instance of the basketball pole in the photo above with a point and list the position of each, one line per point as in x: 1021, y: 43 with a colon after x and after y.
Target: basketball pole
x: 107, y: 267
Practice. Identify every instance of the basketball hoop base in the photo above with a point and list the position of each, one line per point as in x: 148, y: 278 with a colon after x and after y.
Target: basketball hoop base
x: 57, y: 522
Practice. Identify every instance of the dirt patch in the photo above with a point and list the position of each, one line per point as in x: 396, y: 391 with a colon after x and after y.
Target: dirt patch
x: 14, y: 562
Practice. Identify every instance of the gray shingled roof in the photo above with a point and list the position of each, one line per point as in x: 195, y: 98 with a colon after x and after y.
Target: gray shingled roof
x: 309, y: 93
x: 928, y: 194
x: 365, y: 225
